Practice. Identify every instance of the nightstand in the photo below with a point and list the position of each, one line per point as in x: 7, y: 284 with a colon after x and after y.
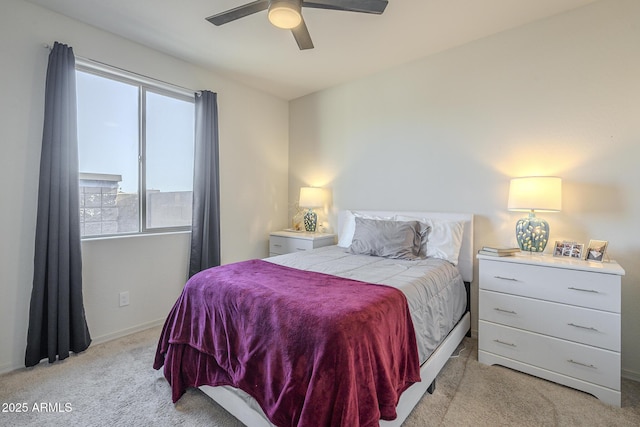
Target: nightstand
x: 553, y: 317
x: 284, y: 242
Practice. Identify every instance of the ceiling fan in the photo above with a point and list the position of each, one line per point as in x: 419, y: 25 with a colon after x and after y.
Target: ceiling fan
x: 287, y: 14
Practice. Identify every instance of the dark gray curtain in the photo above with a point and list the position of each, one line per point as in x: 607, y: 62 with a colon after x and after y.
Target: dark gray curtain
x: 205, y: 223
x: 57, y: 323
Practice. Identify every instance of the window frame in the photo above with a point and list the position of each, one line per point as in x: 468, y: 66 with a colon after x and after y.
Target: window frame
x: 144, y: 85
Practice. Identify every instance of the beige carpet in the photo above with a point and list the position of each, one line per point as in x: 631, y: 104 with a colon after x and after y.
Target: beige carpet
x: 113, y: 384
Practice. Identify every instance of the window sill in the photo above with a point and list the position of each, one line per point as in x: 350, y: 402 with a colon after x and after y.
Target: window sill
x: 134, y: 235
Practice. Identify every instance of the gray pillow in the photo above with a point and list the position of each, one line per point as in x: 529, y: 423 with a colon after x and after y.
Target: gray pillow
x: 423, y: 230
x: 390, y: 239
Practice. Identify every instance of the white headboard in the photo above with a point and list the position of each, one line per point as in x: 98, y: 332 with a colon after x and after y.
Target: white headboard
x: 465, y: 260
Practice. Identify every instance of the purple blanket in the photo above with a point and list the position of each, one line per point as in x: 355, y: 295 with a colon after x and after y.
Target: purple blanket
x: 312, y: 349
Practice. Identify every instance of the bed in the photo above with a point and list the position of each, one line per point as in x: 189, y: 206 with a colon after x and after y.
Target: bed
x: 433, y: 290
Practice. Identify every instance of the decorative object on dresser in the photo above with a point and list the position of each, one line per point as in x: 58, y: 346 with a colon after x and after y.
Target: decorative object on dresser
x: 531, y: 194
x: 596, y: 250
x: 498, y: 251
x: 553, y: 317
x: 297, y: 218
x: 569, y: 249
x: 311, y: 197
x: 284, y: 242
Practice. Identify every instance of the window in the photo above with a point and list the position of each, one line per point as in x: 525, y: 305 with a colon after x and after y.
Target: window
x: 134, y: 138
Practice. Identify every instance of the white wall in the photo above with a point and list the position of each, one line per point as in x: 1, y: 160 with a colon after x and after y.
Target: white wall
x: 253, y: 176
x: 557, y: 97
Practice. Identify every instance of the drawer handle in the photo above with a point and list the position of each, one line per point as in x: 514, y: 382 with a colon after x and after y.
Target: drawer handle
x: 505, y: 311
x: 277, y: 245
x: 505, y: 278
x: 581, y: 364
x: 505, y: 343
x: 300, y: 249
x: 583, y: 290
x: 590, y: 328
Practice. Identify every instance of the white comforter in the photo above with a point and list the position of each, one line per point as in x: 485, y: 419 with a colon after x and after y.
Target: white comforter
x: 433, y: 287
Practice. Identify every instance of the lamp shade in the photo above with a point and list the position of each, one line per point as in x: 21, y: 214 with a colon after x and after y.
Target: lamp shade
x: 535, y: 193
x: 311, y: 197
x: 285, y: 13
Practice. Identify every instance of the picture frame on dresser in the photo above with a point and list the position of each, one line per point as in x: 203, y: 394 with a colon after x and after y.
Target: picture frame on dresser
x: 569, y: 249
x: 596, y: 250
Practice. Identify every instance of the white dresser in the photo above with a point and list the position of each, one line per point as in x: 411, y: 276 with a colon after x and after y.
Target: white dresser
x: 553, y: 317
x: 284, y: 242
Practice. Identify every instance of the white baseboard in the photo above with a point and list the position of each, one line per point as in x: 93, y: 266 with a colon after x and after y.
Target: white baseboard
x: 124, y: 332
x: 631, y: 375
x: 8, y: 367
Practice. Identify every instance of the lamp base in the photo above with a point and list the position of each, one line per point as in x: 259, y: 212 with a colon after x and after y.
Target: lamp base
x: 532, y: 233
x: 310, y: 221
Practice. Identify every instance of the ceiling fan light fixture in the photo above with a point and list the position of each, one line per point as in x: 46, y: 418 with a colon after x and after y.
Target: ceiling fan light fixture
x: 285, y: 13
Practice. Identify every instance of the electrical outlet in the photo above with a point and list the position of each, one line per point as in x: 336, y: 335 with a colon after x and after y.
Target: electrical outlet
x: 124, y: 298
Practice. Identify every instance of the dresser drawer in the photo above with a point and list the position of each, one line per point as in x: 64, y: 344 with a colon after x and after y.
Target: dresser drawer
x: 586, y: 363
x: 581, y: 288
x: 284, y: 245
x: 578, y: 324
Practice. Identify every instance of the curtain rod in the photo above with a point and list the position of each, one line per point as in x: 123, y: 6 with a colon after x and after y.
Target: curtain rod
x: 92, y: 63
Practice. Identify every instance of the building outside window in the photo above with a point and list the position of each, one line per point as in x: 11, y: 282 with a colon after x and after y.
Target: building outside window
x: 134, y: 138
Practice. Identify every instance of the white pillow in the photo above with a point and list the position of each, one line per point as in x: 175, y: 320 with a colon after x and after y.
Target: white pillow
x: 445, y: 237
x: 349, y: 227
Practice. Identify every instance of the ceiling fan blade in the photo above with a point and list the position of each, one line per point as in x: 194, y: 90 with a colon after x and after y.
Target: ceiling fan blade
x: 302, y: 36
x: 239, y: 12
x: 363, y: 6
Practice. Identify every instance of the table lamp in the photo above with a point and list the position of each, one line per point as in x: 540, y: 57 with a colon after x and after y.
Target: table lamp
x: 311, y: 197
x: 534, y: 194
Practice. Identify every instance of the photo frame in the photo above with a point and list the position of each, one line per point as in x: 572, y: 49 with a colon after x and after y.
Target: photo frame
x: 568, y: 249
x: 596, y: 250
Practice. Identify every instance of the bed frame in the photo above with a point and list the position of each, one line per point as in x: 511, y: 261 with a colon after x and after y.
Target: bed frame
x: 251, y: 415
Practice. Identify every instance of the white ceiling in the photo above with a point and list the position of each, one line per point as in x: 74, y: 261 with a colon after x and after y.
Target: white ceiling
x: 347, y: 45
